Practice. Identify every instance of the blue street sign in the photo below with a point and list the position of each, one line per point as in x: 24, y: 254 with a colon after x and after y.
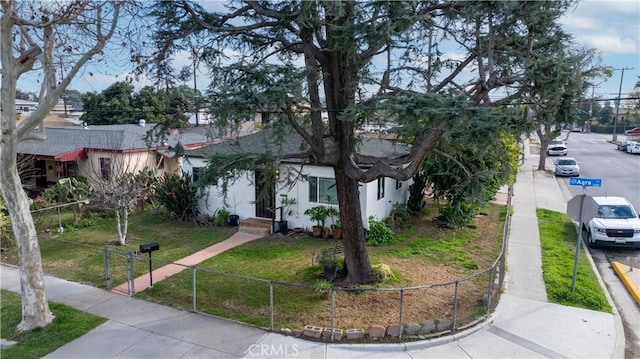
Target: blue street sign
x: 585, y: 182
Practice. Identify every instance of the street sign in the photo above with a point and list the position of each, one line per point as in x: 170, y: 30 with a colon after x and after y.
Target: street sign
x: 585, y: 182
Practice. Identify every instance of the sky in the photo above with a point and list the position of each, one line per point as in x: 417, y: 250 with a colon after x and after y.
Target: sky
x: 612, y: 27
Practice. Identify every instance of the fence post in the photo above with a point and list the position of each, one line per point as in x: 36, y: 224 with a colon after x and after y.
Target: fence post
x: 455, y: 306
x: 505, y: 239
x: 333, y: 313
x: 130, y: 274
x: 194, y: 287
x: 60, y: 227
x: 401, y: 310
x: 489, y: 296
x: 107, y: 267
x: 271, y: 309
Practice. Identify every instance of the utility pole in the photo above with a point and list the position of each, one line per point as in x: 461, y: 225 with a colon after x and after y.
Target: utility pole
x: 593, y: 90
x: 615, y: 119
x: 195, y: 87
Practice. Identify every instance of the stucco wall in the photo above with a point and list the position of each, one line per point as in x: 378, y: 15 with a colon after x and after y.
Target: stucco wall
x: 120, y: 163
x: 242, y: 191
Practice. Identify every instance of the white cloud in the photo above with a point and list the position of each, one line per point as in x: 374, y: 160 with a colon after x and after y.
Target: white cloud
x: 608, y: 26
x: 610, y: 43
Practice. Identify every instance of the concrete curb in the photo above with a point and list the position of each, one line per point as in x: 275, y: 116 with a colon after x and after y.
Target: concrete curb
x: 621, y: 270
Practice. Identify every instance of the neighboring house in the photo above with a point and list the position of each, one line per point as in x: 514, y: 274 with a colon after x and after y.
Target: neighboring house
x: 316, y: 187
x: 102, y: 152
x: 24, y: 107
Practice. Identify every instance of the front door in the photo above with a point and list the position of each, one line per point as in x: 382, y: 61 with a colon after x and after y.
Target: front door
x: 265, y: 196
x: 41, y: 173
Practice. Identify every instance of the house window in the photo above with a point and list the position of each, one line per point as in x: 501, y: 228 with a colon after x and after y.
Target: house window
x: 398, y: 185
x: 197, y: 173
x: 381, y: 187
x: 105, y: 168
x: 323, y: 190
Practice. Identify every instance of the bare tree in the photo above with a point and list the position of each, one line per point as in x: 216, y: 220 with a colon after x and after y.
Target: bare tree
x: 118, y: 184
x: 37, y: 32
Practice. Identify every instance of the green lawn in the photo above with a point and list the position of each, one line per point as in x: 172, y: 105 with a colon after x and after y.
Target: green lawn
x: 69, y: 324
x: 78, y: 253
x: 558, y: 238
x: 422, y: 253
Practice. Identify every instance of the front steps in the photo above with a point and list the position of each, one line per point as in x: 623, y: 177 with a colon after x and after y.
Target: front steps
x: 258, y: 226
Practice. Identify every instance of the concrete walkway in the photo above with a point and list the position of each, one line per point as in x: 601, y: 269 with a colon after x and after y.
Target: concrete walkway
x: 524, y: 324
x: 141, y: 283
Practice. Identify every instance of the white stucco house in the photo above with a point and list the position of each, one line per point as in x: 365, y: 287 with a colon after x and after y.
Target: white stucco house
x: 315, y: 187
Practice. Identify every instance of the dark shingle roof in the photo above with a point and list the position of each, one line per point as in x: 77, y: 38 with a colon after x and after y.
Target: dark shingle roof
x: 62, y: 140
x: 291, y: 143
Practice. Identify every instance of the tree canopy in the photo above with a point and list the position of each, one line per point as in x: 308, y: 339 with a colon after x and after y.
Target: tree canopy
x: 118, y: 104
x: 561, y: 79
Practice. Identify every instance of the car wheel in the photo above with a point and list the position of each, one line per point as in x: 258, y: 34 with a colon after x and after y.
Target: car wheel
x: 590, y: 241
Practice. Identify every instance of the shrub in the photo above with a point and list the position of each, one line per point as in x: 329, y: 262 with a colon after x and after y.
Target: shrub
x: 456, y: 215
x: 178, y: 195
x: 399, y: 214
x: 222, y: 216
x: 379, y: 233
x: 381, y: 272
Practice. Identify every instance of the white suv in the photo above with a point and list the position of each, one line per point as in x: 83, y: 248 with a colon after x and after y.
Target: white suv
x: 557, y: 148
x: 612, y: 221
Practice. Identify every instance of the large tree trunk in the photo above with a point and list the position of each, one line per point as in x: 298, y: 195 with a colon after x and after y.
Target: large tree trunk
x: 355, y: 250
x: 340, y: 86
x: 544, y: 145
x: 35, y: 307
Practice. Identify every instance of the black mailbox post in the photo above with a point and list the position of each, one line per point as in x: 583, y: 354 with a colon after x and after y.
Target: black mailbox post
x: 148, y: 248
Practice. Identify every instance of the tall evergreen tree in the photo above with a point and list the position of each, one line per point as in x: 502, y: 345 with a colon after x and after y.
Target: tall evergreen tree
x: 362, y: 62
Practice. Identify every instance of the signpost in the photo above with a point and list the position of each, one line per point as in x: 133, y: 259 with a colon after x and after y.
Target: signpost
x: 148, y: 248
x: 584, y: 182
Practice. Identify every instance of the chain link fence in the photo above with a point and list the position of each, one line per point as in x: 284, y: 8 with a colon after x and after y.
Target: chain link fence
x: 425, y: 310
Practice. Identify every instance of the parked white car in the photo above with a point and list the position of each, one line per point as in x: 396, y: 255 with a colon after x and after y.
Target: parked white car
x: 633, y: 147
x: 567, y: 167
x: 611, y: 221
x: 557, y: 148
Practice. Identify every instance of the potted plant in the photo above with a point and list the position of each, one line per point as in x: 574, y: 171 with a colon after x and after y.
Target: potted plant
x: 234, y: 219
x: 329, y: 263
x: 336, y: 229
x: 319, y: 215
x: 222, y: 217
x: 286, y: 211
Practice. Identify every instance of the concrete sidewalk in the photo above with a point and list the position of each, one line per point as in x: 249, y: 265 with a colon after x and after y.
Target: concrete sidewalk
x: 524, y: 325
x: 141, y: 283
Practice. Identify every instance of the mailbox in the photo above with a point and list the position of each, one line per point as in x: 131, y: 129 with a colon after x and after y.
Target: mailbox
x: 149, y: 247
